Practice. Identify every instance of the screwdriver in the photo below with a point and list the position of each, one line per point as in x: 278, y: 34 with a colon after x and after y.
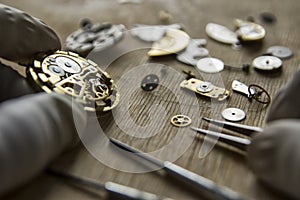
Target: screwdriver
x: 198, y: 182
x: 116, y: 189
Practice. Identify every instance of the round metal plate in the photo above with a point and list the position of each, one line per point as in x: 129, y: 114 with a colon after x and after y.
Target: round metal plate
x: 150, y: 82
x: 280, y: 51
x: 267, y: 63
x: 181, y: 120
x: 221, y: 33
x: 67, y: 64
x: 249, y: 31
x: 205, y: 87
x: 56, y: 70
x: 174, y: 41
x: 210, y: 65
x: 233, y: 114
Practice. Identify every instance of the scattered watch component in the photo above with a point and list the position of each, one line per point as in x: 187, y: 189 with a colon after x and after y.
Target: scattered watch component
x: 150, y: 33
x: 193, y: 52
x: 280, y: 51
x: 249, y: 31
x: 268, y: 17
x: 245, y: 68
x: 150, y: 82
x: 240, y: 87
x: 180, y: 121
x: 94, y: 37
x: 259, y: 94
x: 233, y: 114
x: 189, y: 74
x: 174, y: 41
x: 206, y: 89
x: 250, y: 19
x: 267, y: 63
x: 165, y: 16
x: 252, y: 91
x: 82, y: 79
x: 210, y: 65
x: 221, y: 34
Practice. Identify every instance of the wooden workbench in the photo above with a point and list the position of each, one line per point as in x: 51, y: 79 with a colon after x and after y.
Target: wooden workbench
x: 223, y: 165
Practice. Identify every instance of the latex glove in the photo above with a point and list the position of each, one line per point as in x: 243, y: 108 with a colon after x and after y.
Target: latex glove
x: 34, y: 128
x: 274, y: 155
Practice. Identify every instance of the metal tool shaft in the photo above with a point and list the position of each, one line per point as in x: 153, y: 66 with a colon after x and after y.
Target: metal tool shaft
x: 240, y: 128
x: 240, y: 143
x: 116, y: 189
x: 200, y: 183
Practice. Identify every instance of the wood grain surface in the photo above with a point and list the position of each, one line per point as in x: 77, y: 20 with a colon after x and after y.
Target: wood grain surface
x: 142, y: 118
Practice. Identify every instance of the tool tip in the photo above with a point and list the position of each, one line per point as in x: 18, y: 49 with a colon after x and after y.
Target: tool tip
x: 206, y: 119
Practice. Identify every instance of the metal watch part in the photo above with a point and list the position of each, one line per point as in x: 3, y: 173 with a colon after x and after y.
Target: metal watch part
x: 150, y: 33
x: 259, y: 94
x: 233, y: 114
x: 252, y: 91
x: 95, y: 37
x: 249, y: 31
x: 82, y: 79
x: 221, y: 34
x: 210, y: 65
x: 240, y: 87
x: 174, y: 41
x: 205, y: 87
x: 212, y: 91
x: 280, y: 52
x: 193, y: 52
x: 180, y: 121
x: 267, y: 63
x: 150, y: 82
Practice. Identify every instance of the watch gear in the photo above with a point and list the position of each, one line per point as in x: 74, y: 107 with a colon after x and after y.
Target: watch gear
x: 82, y: 79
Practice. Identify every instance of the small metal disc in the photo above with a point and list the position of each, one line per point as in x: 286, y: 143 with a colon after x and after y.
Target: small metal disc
x: 221, y: 33
x: 181, y: 120
x: 174, y: 41
x: 68, y: 64
x: 205, y: 87
x: 249, y: 31
x: 150, y: 82
x: 210, y: 65
x: 56, y: 70
x: 233, y: 114
x: 280, y: 51
x: 267, y: 63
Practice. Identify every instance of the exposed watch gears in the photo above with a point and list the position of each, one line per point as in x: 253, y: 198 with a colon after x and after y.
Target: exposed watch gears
x: 80, y: 78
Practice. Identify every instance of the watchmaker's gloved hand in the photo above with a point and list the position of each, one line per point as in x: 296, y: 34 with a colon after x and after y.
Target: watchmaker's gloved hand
x: 23, y: 37
x: 274, y: 155
x: 286, y: 104
x: 34, y: 128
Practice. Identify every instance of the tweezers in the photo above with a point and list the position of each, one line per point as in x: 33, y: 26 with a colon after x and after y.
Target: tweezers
x: 238, y: 142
